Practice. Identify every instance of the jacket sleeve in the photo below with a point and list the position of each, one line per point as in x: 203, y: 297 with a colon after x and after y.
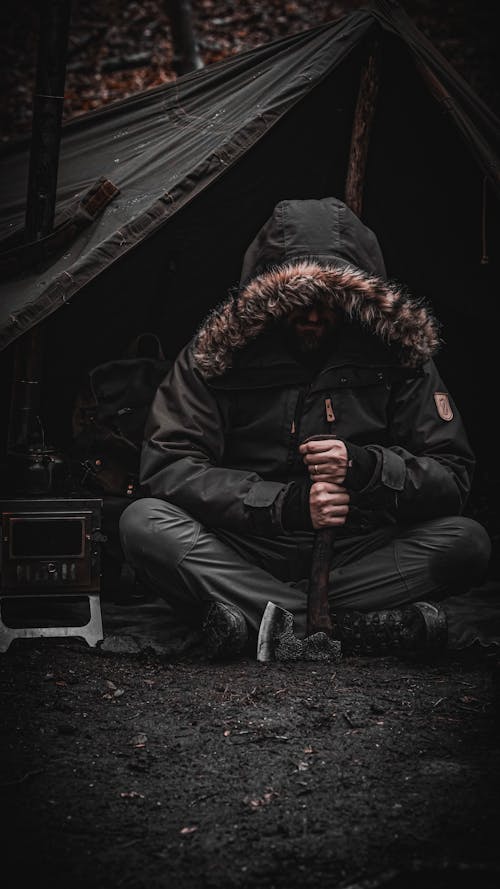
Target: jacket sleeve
x: 428, y: 470
x: 182, y: 459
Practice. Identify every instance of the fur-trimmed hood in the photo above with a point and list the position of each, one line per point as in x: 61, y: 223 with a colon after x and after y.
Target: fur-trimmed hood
x: 310, y: 251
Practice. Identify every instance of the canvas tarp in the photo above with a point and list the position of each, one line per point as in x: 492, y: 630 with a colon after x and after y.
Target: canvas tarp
x: 164, y: 147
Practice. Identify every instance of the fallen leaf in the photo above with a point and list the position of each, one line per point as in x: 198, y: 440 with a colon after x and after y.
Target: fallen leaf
x: 187, y: 830
x: 253, y: 803
x: 139, y: 740
x: 258, y: 801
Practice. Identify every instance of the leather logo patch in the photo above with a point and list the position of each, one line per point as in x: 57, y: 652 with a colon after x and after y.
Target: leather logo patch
x: 443, y: 405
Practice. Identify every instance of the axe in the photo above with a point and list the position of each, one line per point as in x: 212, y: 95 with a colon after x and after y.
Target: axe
x: 276, y: 639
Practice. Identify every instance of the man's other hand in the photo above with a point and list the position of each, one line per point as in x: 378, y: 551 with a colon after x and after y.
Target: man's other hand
x: 326, y: 459
x: 329, y: 505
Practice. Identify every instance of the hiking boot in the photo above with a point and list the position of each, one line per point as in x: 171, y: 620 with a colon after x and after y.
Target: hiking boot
x: 420, y: 627
x: 225, y: 631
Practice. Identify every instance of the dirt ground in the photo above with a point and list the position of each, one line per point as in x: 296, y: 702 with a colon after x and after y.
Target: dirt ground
x: 148, y: 770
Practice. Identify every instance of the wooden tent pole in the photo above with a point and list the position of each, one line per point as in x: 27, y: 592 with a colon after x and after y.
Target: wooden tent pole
x: 360, y: 135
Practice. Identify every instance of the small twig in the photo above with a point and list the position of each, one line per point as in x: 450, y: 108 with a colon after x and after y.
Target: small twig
x: 21, y: 780
x: 438, y: 702
x: 200, y: 799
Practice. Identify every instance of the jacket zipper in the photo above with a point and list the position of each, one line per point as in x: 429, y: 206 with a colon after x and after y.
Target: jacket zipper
x: 295, y: 426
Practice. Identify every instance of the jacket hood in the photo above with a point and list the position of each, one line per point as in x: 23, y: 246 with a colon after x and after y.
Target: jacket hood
x: 324, y: 229
x: 310, y: 251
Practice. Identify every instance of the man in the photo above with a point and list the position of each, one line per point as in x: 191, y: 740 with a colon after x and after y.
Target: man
x: 236, y: 479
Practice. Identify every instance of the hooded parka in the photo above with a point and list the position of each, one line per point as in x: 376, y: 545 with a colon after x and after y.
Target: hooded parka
x: 224, y: 429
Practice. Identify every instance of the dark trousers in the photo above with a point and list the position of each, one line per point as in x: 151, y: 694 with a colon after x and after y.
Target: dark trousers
x: 188, y: 564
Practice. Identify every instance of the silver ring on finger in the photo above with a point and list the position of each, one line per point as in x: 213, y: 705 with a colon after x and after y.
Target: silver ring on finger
x: 315, y: 469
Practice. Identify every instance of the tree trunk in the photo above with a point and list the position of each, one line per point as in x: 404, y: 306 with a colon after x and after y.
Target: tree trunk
x: 47, y: 117
x: 26, y: 435
x: 186, y: 55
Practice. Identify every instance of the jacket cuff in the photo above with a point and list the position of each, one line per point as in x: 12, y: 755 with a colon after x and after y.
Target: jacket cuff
x: 393, y: 471
x: 296, y: 513
x: 265, y: 502
x: 361, y: 467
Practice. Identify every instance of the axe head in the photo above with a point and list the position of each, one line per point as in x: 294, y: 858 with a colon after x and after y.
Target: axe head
x: 277, y: 641
x: 276, y: 624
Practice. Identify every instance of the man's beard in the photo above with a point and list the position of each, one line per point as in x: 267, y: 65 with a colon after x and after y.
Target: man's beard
x: 309, y: 346
x: 309, y: 342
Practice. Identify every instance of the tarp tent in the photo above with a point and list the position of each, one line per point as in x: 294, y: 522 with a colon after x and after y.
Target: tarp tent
x: 198, y: 165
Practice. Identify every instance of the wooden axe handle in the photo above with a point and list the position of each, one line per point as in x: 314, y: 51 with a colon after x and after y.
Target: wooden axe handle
x: 318, y: 611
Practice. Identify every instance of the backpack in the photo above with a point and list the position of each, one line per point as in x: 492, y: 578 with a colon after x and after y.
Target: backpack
x: 109, y: 416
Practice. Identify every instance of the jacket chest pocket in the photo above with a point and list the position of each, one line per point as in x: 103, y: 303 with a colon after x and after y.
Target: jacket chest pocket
x: 261, y: 412
x: 356, y: 404
x: 362, y: 412
x: 257, y: 433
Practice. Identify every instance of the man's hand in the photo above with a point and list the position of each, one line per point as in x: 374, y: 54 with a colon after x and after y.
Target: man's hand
x: 326, y: 460
x: 329, y: 505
